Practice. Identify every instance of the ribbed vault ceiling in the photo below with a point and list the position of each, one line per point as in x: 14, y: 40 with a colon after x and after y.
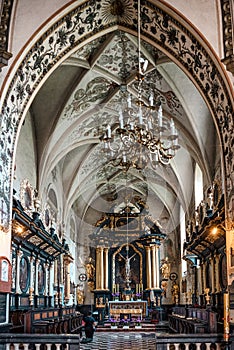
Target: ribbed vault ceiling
x: 81, y: 97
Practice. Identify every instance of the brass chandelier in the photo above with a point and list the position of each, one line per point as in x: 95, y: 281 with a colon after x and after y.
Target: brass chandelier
x: 142, y: 136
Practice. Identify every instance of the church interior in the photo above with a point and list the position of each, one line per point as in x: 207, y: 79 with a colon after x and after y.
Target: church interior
x: 116, y: 167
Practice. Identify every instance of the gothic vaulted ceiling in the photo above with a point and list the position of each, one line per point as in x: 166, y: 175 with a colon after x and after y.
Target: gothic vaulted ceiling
x: 82, y: 96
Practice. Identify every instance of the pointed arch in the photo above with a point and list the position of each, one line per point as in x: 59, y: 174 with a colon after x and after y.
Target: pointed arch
x: 161, y: 27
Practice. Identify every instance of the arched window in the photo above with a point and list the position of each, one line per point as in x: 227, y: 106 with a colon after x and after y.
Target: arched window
x: 72, y: 229
x: 182, y: 239
x: 53, y: 204
x: 198, y: 185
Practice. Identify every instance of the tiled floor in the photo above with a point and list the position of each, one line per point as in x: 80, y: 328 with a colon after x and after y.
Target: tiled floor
x: 121, y: 341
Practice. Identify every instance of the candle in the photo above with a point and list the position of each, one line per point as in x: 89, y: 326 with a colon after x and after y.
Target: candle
x: 151, y: 99
x: 172, y: 127
x: 137, y: 288
x: 121, y: 119
x: 160, y: 116
x: 108, y: 131
x: 129, y: 101
x: 140, y: 116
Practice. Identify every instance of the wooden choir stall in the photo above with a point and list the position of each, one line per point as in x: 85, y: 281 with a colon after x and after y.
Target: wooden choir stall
x: 40, y: 290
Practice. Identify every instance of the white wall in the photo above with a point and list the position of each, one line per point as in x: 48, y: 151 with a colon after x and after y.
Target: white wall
x: 25, y: 159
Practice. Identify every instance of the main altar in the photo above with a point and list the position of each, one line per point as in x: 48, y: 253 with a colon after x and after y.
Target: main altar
x: 127, y: 269
x: 128, y: 309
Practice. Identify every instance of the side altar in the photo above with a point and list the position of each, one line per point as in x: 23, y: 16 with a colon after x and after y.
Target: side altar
x: 128, y: 309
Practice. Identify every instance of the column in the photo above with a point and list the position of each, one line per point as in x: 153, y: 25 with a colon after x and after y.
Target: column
x: 217, y: 281
x: 101, y: 269
x: 204, y: 276
x: 46, y: 279
x: 98, y: 268
x: 17, y: 279
x: 106, y: 268
x: 32, y: 271
x: 148, y: 268
x: 153, y: 260
x: 36, y: 277
x: 67, y: 260
x: 32, y: 281
x: 157, y: 267
x: 213, y: 275
x: 55, y: 272
x: 51, y: 279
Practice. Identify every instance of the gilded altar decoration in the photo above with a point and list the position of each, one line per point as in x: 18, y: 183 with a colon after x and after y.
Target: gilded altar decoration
x: 175, y: 293
x: 90, y: 271
x: 165, y: 269
x: 207, y: 296
x: 80, y: 296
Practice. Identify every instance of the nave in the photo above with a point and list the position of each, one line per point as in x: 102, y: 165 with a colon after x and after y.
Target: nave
x: 117, y: 170
x: 121, y: 340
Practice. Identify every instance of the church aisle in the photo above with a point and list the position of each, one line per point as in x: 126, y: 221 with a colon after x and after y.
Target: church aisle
x: 121, y: 341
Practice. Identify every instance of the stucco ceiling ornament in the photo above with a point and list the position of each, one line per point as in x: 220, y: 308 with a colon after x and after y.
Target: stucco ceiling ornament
x: 121, y: 9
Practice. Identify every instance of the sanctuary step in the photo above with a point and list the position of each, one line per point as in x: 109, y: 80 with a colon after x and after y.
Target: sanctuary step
x: 145, y: 327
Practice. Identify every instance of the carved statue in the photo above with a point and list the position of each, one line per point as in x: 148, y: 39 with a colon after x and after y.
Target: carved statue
x: 80, y: 296
x: 153, y: 224
x: 127, y: 264
x: 105, y: 222
x: 165, y: 269
x: 175, y: 293
x: 189, y: 297
x: 164, y: 288
x: 90, y: 270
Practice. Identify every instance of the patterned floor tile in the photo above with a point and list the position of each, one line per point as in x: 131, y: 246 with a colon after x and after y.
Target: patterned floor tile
x: 121, y: 341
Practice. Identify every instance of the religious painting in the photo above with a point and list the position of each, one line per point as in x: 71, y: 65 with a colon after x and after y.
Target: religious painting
x: 41, y: 278
x: 47, y: 217
x: 184, y: 286
x: 24, y: 274
x: 27, y: 195
x: 223, y: 271
x: 209, y: 275
x: 4, y: 270
x: 27, y: 198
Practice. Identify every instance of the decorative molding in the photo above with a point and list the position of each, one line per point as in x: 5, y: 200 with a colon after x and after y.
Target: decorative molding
x: 4, y: 32
x: 228, y: 34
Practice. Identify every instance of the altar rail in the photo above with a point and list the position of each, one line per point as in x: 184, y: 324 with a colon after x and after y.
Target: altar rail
x: 39, y: 341
x: 166, y: 341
